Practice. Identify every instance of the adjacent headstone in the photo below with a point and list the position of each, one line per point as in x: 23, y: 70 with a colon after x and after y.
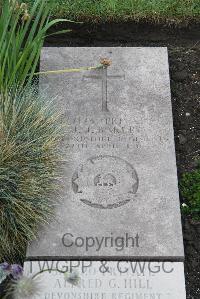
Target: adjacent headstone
x: 120, y: 194
x: 109, y: 280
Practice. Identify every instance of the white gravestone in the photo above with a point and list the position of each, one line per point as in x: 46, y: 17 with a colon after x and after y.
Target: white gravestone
x: 120, y: 194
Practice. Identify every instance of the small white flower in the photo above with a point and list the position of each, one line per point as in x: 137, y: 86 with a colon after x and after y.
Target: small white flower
x: 184, y: 205
x: 26, y: 288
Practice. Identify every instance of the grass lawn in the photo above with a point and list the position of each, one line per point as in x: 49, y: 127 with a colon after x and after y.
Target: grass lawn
x: 121, y: 10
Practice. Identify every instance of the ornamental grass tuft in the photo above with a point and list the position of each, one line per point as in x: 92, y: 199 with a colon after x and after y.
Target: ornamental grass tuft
x: 30, y: 132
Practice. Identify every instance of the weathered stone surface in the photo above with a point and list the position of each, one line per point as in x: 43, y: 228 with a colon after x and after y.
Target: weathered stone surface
x: 120, y: 171
x: 125, y: 280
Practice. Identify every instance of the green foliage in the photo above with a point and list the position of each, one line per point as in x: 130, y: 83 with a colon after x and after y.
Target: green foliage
x: 190, y: 189
x: 30, y: 131
x: 108, y: 10
x: 22, y: 33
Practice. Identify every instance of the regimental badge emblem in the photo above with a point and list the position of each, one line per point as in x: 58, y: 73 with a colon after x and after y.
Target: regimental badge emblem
x: 105, y: 182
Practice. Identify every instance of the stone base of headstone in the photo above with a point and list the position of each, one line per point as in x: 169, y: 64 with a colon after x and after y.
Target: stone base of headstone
x: 109, y: 280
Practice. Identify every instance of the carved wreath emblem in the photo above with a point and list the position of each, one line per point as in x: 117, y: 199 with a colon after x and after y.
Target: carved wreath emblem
x: 105, y: 182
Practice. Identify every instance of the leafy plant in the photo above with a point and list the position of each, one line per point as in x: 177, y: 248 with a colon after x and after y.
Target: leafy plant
x: 190, y: 189
x: 6, y: 270
x: 21, y: 286
x: 22, y: 33
x: 25, y: 287
x: 30, y: 131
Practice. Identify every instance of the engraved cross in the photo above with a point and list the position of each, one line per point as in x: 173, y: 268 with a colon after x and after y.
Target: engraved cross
x: 104, y: 78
